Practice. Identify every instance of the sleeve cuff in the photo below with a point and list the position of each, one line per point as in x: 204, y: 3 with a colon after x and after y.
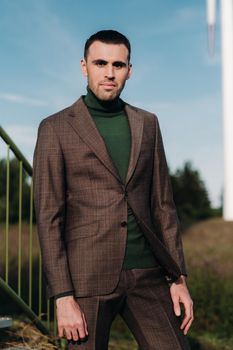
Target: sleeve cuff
x: 64, y: 294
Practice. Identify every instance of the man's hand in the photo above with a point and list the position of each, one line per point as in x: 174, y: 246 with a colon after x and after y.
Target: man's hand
x: 70, y: 319
x: 180, y: 294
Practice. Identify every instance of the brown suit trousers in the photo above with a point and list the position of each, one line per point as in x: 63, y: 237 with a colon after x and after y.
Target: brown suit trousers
x: 142, y: 298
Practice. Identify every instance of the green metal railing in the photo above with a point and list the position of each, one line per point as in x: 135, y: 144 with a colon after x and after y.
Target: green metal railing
x: 20, y: 260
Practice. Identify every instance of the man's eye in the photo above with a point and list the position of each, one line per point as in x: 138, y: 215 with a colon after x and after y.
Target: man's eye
x: 100, y: 64
x: 118, y: 65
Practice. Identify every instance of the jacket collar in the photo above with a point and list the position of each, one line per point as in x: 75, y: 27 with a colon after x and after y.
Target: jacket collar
x: 83, y: 124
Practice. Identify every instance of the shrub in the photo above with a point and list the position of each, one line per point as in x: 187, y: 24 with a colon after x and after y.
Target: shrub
x: 212, y: 295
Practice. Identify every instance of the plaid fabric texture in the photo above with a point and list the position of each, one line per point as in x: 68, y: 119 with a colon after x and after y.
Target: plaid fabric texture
x: 81, y: 202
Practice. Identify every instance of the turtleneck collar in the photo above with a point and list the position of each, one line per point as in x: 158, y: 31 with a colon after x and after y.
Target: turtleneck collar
x: 102, y: 107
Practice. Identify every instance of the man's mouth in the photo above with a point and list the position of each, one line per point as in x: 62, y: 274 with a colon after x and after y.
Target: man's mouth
x: 108, y: 85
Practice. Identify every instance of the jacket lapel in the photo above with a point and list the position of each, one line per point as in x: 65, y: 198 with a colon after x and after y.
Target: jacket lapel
x: 83, y: 124
x: 136, y: 122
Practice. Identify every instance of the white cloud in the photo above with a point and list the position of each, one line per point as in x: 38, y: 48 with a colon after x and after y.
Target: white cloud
x: 24, y: 138
x: 187, y: 14
x: 16, y: 98
x: 200, y: 106
x: 22, y: 135
x: 180, y: 19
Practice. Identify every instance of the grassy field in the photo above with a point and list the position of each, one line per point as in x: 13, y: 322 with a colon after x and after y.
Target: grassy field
x: 208, y: 245
x: 208, y: 251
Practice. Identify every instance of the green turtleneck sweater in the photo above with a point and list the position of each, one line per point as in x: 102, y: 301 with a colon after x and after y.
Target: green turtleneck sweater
x: 112, y: 124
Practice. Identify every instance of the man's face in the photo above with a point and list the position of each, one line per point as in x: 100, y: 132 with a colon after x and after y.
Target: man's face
x: 106, y: 69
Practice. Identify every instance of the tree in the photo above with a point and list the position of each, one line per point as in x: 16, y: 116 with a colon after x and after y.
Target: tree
x: 13, y: 191
x: 190, y: 195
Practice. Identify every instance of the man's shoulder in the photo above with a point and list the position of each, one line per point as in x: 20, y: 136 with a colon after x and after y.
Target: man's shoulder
x: 142, y: 111
x: 56, y: 118
x: 59, y: 118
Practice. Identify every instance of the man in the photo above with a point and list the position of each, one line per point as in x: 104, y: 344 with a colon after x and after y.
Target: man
x: 107, y: 223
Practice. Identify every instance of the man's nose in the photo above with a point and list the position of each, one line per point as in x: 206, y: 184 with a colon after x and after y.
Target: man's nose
x: 109, y: 73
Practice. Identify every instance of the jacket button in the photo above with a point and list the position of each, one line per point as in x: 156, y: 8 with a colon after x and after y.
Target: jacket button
x: 123, y: 223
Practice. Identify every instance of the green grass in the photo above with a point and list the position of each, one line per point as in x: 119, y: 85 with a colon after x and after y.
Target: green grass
x: 208, y: 251
x: 120, y: 337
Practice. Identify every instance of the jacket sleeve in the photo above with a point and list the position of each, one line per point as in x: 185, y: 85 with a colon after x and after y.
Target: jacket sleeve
x: 162, y: 204
x: 49, y: 200
x: 64, y: 294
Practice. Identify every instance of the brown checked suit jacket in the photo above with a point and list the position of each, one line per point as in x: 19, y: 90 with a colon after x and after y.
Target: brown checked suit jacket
x: 81, y: 201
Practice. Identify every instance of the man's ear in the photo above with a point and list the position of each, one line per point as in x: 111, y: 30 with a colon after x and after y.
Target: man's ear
x: 83, y: 65
x: 129, y: 71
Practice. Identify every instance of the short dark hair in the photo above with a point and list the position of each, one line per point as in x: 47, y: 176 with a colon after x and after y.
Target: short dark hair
x: 108, y: 37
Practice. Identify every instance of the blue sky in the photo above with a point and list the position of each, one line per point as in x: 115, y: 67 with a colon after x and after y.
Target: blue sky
x: 173, y: 75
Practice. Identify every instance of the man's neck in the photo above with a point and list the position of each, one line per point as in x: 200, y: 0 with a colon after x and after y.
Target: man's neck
x: 93, y: 102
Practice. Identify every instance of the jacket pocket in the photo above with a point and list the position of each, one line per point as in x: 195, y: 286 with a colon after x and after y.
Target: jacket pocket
x: 82, y: 231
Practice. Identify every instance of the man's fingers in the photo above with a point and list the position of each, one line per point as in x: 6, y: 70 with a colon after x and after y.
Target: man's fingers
x: 60, y: 331
x: 72, y: 333
x: 176, y: 306
x: 185, y: 321
x: 85, y: 324
x: 188, y: 326
x: 180, y: 295
x: 67, y: 334
x: 188, y: 316
x: 81, y: 330
x: 71, y: 319
x: 75, y: 335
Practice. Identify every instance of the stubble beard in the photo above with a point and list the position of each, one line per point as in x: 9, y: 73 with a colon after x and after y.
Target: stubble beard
x: 105, y: 95
x: 108, y: 95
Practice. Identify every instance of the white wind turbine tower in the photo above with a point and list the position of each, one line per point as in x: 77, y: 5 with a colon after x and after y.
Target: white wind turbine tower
x: 227, y: 93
